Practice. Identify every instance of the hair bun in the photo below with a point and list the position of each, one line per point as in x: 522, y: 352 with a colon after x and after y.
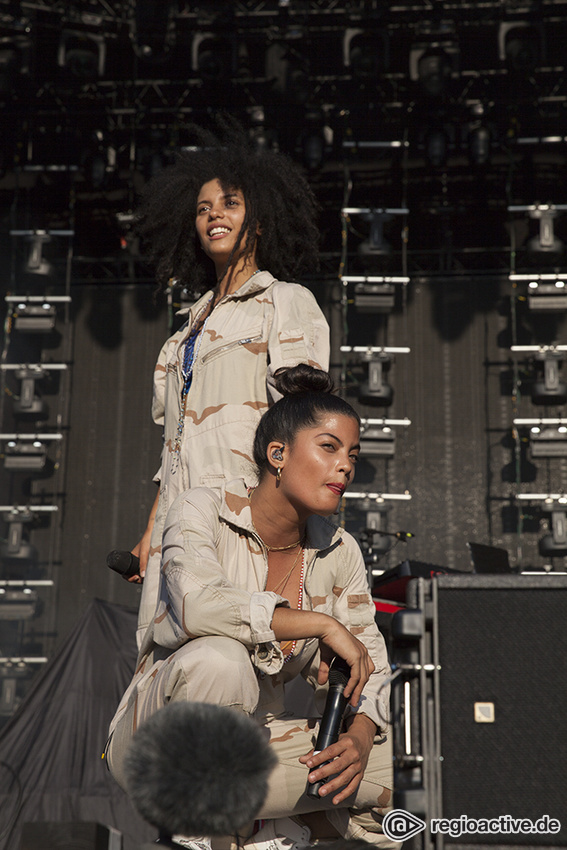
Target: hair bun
x: 302, y: 379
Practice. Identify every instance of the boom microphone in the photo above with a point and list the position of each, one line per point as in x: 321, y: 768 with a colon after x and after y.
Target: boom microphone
x: 335, y: 707
x: 198, y: 769
x: 124, y: 563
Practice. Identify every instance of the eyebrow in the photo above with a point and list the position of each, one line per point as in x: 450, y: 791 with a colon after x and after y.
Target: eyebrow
x: 225, y: 197
x: 334, y: 437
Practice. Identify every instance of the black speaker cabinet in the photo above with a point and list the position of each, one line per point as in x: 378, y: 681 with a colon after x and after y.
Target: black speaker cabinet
x: 69, y: 836
x: 480, y: 709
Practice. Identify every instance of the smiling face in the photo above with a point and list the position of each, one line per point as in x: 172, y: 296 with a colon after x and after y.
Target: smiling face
x: 319, y: 464
x: 219, y: 220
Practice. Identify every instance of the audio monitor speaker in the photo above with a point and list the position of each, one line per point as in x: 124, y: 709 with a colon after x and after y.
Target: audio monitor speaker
x: 490, y: 715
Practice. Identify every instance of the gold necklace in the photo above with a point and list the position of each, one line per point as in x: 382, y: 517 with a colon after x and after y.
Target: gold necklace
x: 278, y: 548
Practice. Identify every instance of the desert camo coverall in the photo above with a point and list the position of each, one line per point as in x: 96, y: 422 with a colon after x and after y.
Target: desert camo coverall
x: 211, y: 640
x: 263, y: 326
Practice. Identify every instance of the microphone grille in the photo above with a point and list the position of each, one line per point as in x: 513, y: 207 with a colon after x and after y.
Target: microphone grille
x: 339, y: 672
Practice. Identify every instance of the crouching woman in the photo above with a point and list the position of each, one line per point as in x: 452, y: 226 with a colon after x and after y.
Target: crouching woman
x: 259, y: 587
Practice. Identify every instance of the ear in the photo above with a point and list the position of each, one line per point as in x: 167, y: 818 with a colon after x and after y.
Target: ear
x: 276, y: 453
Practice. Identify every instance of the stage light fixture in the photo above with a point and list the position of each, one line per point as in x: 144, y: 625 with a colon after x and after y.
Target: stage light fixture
x: 436, y: 146
x: 550, y: 390
x: 365, y: 52
x: 376, y: 244
x: 521, y: 45
x: 376, y: 441
x: 315, y: 140
x: 15, y: 547
x: 17, y: 604
x: 374, y: 297
x: 548, y: 442
x: 213, y: 57
x: 479, y: 142
x: 29, y: 404
x: 376, y: 390
x: 82, y: 54
x: 554, y: 544
x: 546, y: 240
x: 25, y: 455
x: 36, y: 263
x: 287, y: 69
x: 34, y: 317
x: 547, y: 296
x: 432, y: 66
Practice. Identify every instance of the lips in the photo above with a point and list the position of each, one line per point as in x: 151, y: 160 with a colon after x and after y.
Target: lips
x: 338, y: 489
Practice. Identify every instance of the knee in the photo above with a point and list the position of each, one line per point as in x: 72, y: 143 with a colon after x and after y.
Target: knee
x: 215, y: 669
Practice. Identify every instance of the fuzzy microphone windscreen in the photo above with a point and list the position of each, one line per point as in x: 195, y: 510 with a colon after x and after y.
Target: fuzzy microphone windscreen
x: 198, y: 769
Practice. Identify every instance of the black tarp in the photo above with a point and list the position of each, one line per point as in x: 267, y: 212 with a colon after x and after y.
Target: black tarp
x: 50, y: 751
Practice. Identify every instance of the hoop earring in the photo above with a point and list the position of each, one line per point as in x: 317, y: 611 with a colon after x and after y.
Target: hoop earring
x: 279, y: 474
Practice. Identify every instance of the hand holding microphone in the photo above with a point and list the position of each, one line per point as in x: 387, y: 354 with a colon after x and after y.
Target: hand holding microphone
x: 124, y: 563
x: 331, y: 722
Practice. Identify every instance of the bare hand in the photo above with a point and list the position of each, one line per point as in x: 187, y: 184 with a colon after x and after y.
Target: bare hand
x: 142, y: 551
x: 347, y: 760
x: 337, y: 640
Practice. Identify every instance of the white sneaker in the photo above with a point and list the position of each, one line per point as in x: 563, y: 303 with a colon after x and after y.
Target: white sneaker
x: 192, y: 843
x: 280, y: 834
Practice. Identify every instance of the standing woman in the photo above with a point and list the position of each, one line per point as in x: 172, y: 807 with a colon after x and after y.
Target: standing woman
x: 237, y: 223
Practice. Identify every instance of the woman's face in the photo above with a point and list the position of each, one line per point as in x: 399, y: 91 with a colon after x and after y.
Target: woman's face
x: 219, y: 219
x: 319, y: 464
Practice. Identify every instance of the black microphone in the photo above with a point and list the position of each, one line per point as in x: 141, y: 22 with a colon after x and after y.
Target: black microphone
x: 331, y: 722
x: 195, y: 768
x: 124, y: 563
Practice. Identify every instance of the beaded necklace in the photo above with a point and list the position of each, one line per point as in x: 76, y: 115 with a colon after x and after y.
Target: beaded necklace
x: 190, y: 353
x: 289, y: 655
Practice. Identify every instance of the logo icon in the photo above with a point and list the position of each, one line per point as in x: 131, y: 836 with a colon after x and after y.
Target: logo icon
x: 400, y: 825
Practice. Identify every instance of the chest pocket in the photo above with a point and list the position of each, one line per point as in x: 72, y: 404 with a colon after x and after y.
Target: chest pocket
x: 250, y: 340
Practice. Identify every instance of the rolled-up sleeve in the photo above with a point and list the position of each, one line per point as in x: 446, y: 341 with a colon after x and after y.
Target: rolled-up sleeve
x: 355, y: 608
x: 299, y: 332
x: 199, y: 599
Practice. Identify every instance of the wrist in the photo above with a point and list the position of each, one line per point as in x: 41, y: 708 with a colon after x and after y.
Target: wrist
x: 361, y: 723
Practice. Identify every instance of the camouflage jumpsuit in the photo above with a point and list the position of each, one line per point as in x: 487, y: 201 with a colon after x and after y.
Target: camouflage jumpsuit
x: 211, y: 641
